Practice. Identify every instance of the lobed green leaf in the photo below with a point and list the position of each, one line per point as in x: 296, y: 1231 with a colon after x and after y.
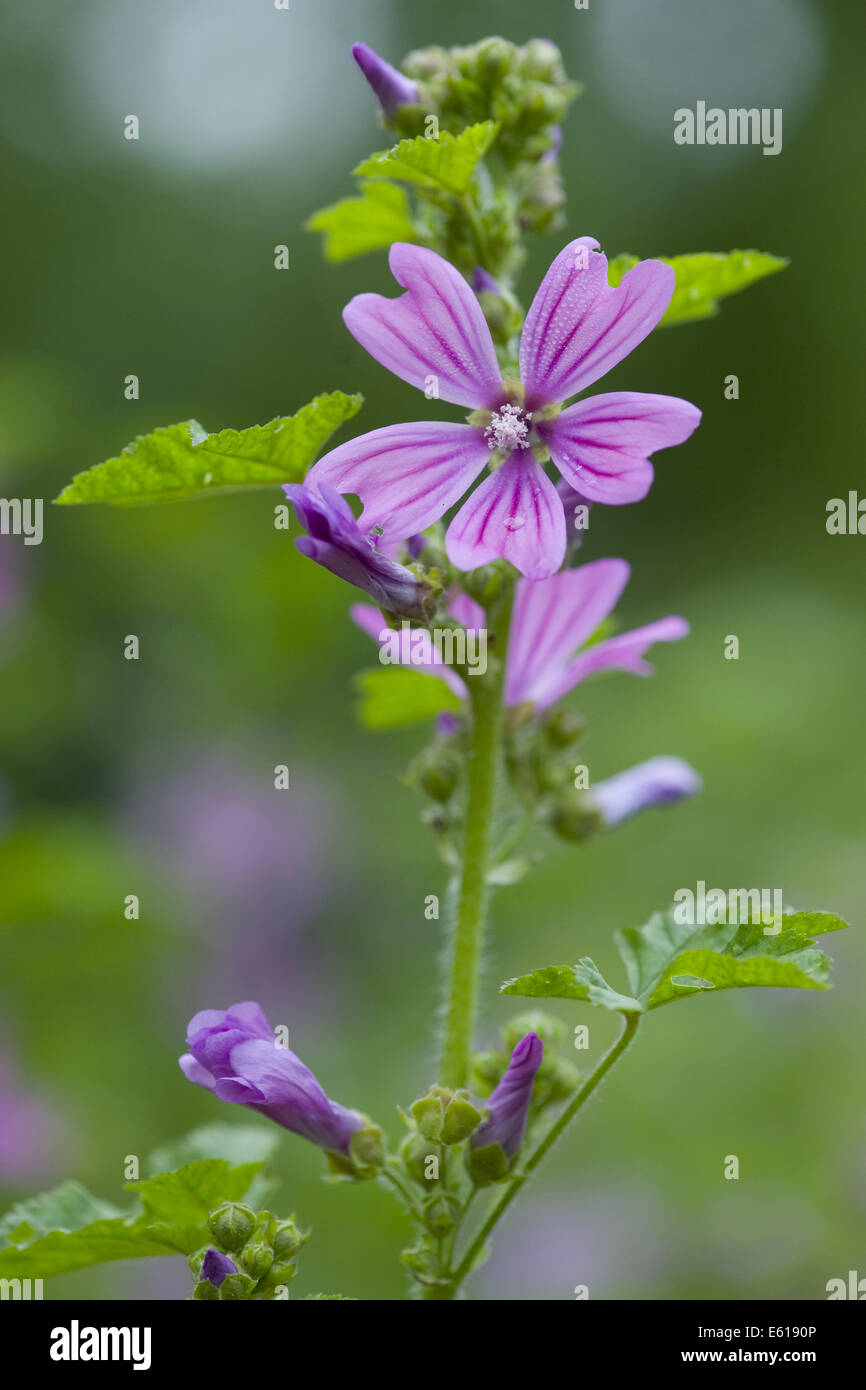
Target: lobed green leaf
x: 583, y: 981
x: 379, y: 216
x: 447, y: 162
x: 67, y: 1228
x: 184, y: 461
x: 667, y: 960
x: 704, y: 278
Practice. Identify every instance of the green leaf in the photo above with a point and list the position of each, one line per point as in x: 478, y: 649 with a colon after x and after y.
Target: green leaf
x: 184, y: 461
x: 704, y: 278
x: 397, y: 695
x: 63, y: 1208
x: 354, y: 226
x: 447, y: 162
x: 67, y: 1228
x: 58, y: 1252
x: 583, y: 981
x: 668, y: 960
x: 176, y: 1205
x: 237, y: 1143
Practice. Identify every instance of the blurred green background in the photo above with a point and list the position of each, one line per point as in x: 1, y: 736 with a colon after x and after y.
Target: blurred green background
x: 156, y: 777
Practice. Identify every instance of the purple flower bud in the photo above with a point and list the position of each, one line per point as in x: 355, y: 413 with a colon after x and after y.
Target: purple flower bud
x: 233, y: 1052
x: 336, y: 542
x: 509, y: 1104
x: 481, y: 280
x: 215, y: 1267
x: 390, y: 86
x: 653, y: 783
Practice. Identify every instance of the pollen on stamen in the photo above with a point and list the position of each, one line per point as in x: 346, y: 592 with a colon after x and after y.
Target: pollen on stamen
x: 509, y: 429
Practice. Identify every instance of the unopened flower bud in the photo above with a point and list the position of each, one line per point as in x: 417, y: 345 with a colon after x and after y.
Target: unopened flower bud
x: 495, y: 57
x: 441, y: 1213
x: 215, y: 1268
x: 231, y: 1225
x: 551, y: 1030
x: 390, y: 86
x: 563, y: 727
x: 576, y: 822
x: 288, y: 1238
x: 256, y: 1259
x: 540, y: 59
x: 509, y: 1104
x: 237, y: 1287
x: 416, y: 1152
x: 658, y: 782
x: 281, y: 1272
x: 487, y: 1164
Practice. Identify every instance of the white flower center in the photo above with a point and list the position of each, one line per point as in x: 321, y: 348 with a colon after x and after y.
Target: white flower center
x: 509, y: 429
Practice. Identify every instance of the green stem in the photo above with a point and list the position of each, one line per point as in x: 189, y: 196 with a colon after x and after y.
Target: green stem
x: 550, y: 1138
x: 483, y: 769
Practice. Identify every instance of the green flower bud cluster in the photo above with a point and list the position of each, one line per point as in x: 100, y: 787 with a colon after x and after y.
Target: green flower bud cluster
x: 431, y: 1155
x: 524, y: 89
x: 539, y: 755
x: 445, y: 1117
x: 263, y: 1249
x: 541, y: 768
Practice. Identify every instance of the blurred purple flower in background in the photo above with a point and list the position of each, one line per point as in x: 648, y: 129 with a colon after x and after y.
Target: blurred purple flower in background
x: 30, y: 1131
x: 509, y: 1103
x: 234, y: 1053
x: 246, y: 854
x: 615, y: 1239
x: 658, y: 782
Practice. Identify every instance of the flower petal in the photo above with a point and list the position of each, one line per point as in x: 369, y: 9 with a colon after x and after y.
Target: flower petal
x: 601, y: 445
x: 407, y: 476
x: 436, y: 330
x: 195, y: 1072
x: 578, y: 327
x: 622, y: 653
x: 275, y: 1080
x: 552, y: 620
x: 517, y: 514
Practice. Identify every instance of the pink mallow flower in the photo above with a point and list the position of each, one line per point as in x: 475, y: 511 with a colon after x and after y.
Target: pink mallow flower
x: 552, y: 622
x: 436, y: 338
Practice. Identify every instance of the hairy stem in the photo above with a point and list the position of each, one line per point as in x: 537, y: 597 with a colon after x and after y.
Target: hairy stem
x: 550, y: 1138
x: 483, y: 769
